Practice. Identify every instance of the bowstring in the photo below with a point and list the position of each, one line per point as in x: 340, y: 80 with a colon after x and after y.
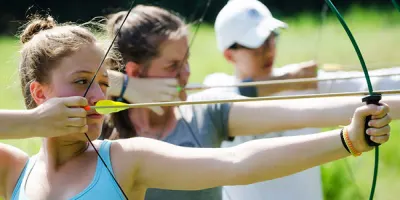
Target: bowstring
x: 87, y: 90
x: 187, y: 51
x: 183, y: 62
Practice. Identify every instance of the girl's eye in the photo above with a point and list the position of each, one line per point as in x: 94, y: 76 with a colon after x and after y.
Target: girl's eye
x: 85, y: 82
x: 82, y: 81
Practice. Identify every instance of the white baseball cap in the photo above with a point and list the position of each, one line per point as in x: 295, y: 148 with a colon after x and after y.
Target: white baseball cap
x: 245, y: 22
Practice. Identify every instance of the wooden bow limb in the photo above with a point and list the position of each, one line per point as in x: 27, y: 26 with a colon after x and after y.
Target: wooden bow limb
x: 179, y: 103
x: 278, y: 82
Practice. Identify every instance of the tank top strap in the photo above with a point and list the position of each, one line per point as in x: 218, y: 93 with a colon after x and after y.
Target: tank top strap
x: 19, y: 190
x: 105, y: 154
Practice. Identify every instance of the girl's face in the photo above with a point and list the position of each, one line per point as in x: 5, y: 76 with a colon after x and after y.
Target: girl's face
x: 172, y: 62
x: 255, y: 63
x: 71, y: 77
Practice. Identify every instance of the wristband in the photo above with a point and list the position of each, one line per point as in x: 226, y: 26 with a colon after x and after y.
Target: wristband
x: 249, y: 91
x: 124, y: 85
x: 347, y: 140
x: 343, y: 142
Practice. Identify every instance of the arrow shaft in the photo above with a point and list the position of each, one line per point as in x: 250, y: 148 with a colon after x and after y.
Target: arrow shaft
x: 179, y: 103
x: 281, y: 82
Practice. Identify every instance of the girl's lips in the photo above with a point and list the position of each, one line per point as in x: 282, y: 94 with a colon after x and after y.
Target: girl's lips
x: 95, y: 116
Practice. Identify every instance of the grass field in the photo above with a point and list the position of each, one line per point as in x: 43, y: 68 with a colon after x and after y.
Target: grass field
x: 377, y: 33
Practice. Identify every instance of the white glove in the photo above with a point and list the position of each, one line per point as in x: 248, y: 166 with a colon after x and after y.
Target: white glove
x: 144, y: 90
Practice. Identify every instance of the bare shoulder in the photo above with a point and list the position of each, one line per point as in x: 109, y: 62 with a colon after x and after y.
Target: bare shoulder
x: 13, y: 161
x: 13, y: 153
x: 132, y: 148
x: 126, y: 156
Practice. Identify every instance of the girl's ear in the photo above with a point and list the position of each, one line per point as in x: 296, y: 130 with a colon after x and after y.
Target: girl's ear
x: 38, y: 92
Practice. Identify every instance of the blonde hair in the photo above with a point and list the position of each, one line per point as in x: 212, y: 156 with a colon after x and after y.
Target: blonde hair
x: 45, y: 43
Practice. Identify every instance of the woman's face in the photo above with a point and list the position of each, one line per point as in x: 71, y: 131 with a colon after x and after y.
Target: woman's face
x: 172, y: 62
x: 71, y: 77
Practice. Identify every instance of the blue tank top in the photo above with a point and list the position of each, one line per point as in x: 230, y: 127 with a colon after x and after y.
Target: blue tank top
x: 102, y: 186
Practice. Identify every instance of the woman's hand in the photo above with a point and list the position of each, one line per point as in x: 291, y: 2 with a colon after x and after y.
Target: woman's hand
x: 144, y: 90
x: 379, y: 123
x: 58, y: 117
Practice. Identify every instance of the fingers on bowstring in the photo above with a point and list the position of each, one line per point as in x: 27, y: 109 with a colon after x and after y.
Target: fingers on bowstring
x: 164, y: 81
x: 171, y: 91
x: 75, y: 129
x: 76, y: 122
x: 171, y: 82
x: 76, y: 112
x: 167, y: 97
x: 75, y: 101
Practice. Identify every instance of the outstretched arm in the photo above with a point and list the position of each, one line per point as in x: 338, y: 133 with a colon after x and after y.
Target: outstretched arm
x: 167, y: 166
x: 56, y: 117
x: 380, y: 80
x: 292, y: 71
x: 249, y: 118
x: 155, y: 164
x: 15, y: 123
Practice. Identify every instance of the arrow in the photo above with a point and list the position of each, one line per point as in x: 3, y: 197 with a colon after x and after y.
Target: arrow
x: 109, y: 106
x: 281, y: 82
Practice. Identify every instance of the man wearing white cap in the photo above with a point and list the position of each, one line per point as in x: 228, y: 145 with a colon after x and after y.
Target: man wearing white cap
x: 246, y: 32
x: 244, y: 22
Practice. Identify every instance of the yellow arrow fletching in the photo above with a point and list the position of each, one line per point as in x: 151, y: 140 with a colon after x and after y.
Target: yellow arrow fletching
x: 106, y: 106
